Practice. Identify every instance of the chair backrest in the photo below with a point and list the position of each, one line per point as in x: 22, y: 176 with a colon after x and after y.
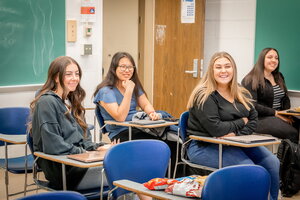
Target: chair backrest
x: 237, y: 182
x: 183, y: 125
x: 13, y: 121
x: 66, y: 195
x: 136, y: 160
x: 100, y: 119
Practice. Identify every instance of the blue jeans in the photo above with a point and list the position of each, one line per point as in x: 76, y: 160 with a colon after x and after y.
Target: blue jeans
x: 208, y: 155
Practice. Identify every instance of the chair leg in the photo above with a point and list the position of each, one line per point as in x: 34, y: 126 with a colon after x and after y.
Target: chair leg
x: 26, y: 167
x: 6, y: 171
x: 169, y: 169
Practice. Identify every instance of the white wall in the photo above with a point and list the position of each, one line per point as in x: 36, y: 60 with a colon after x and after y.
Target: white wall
x: 229, y: 26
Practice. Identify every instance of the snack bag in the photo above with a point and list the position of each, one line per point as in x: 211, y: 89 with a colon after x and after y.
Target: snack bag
x: 159, y: 183
x: 190, y: 186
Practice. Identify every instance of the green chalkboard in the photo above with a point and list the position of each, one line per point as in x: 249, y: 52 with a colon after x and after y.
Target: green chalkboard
x: 32, y: 34
x: 278, y: 26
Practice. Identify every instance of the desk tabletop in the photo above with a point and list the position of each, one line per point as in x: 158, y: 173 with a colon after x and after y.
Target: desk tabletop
x: 140, y: 189
x: 14, y: 139
x: 67, y: 161
x: 232, y: 143
x: 284, y: 112
x: 141, y: 126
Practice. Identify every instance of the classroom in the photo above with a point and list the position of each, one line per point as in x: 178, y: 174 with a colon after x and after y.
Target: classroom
x: 240, y: 27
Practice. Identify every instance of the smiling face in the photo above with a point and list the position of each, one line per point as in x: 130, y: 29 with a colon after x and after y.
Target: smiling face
x: 71, y: 79
x: 125, y: 69
x: 223, y: 71
x: 271, y: 61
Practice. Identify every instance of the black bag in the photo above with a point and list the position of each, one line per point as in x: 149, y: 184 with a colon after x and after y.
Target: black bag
x: 289, y: 157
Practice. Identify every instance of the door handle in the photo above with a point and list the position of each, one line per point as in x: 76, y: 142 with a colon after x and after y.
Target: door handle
x: 195, y: 69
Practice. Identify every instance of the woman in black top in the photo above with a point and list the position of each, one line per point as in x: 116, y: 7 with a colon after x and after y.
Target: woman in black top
x: 267, y: 87
x: 219, y: 107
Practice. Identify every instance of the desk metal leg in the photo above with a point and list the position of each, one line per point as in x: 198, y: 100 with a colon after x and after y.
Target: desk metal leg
x: 63, y: 168
x: 6, y: 171
x: 26, y: 167
x: 130, y: 132
x: 95, y: 129
x: 220, y: 155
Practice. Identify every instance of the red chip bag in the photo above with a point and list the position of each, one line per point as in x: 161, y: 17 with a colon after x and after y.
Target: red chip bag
x: 159, y: 183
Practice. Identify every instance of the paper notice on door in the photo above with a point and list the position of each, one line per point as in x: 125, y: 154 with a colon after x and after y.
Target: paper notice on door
x: 187, y: 11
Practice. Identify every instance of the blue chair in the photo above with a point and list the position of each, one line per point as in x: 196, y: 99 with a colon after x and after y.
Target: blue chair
x: 135, y: 160
x: 93, y: 193
x: 13, y: 121
x: 182, y: 124
x: 66, y: 195
x: 100, y: 122
x: 247, y: 182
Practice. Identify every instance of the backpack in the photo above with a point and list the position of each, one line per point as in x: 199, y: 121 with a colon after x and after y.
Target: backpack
x: 289, y: 157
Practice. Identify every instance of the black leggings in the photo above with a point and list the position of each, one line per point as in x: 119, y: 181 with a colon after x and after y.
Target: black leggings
x: 137, y: 134
x: 278, y: 128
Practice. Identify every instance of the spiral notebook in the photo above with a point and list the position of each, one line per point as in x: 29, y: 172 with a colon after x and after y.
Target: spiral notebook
x: 250, y: 139
x: 87, y: 157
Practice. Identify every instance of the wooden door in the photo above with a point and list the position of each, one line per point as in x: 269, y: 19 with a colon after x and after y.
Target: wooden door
x: 176, y: 46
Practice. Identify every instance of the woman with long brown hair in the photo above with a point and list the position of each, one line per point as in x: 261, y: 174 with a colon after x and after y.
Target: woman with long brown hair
x: 267, y: 87
x: 118, y: 96
x: 58, y: 125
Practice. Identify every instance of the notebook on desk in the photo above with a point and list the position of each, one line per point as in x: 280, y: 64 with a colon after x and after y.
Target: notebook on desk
x: 87, y: 157
x: 250, y: 139
x: 147, y: 122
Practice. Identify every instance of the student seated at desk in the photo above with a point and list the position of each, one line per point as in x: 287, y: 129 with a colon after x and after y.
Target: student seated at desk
x: 119, y: 94
x: 267, y: 87
x: 219, y: 107
x: 58, y: 125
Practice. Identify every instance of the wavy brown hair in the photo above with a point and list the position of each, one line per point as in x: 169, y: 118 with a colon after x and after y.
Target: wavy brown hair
x: 58, y: 69
x: 111, y: 78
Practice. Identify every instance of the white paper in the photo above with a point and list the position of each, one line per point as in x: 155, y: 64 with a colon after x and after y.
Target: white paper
x: 187, y: 11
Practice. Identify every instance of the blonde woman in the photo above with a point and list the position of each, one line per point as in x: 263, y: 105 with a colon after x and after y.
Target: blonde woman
x: 220, y: 107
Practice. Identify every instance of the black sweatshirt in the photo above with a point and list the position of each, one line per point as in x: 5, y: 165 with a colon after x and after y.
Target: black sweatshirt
x: 219, y: 117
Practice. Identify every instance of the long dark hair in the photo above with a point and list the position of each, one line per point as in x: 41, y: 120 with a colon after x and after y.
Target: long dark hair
x: 111, y: 78
x: 256, y: 75
x: 58, y: 69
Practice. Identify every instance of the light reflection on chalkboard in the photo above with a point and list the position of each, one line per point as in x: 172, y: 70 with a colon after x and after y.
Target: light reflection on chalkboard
x: 42, y: 35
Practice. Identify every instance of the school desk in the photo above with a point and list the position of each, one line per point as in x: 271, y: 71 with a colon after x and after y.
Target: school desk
x: 222, y: 142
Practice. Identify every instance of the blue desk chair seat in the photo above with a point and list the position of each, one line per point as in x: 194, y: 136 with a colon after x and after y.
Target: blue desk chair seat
x: 66, y: 195
x: 247, y: 182
x: 13, y: 121
x: 135, y: 160
x: 182, y: 124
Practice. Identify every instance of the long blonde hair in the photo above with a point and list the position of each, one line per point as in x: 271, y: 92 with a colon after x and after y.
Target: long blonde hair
x: 208, y: 84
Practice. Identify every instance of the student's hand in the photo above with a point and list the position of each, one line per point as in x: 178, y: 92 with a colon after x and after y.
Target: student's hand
x: 128, y: 85
x: 227, y: 135
x: 284, y: 118
x: 104, y: 147
x: 107, y: 146
x: 154, y: 116
x: 245, y: 120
